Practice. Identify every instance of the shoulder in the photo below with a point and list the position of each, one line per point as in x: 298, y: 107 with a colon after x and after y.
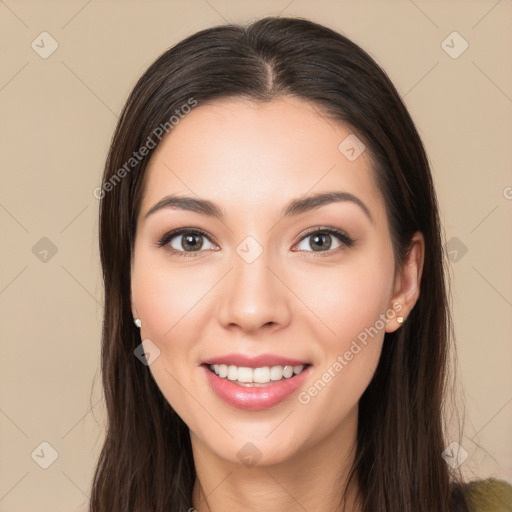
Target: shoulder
x: 489, y: 495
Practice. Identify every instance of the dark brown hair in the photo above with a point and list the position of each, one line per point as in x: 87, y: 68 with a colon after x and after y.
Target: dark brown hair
x: 146, y: 463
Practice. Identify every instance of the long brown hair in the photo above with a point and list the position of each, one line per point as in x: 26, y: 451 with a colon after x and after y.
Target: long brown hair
x: 146, y: 463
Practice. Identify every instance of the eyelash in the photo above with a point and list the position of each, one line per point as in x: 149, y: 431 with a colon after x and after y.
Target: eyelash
x: 338, y: 233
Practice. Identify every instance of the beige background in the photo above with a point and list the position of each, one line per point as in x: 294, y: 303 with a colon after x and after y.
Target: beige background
x: 57, y: 117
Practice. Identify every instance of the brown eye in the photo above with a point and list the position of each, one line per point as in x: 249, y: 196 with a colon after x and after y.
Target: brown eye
x: 322, y: 240
x: 190, y: 242
x: 185, y: 240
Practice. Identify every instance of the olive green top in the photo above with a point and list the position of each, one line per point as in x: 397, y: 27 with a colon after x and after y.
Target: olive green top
x: 490, y: 495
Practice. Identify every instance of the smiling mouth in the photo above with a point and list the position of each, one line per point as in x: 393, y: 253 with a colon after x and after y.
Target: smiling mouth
x: 255, y: 377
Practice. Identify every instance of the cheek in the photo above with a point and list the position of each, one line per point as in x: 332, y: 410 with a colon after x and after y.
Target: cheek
x: 168, y: 302
x: 349, y: 301
x: 349, y: 298
x: 166, y: 296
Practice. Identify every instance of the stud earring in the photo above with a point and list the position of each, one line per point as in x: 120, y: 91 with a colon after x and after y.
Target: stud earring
x: 400, y: 319
x: 137, y: 322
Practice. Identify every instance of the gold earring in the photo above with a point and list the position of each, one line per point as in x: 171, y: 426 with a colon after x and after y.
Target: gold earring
x: 400, y: 319
x: 137, y: 322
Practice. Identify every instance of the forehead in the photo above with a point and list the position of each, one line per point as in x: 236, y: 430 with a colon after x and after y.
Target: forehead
x: 246, y: 154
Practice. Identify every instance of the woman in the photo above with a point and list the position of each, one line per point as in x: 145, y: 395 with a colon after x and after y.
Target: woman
x: 276, y: 320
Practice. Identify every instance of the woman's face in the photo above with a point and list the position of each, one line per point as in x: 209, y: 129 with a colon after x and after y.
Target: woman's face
x: 264, y: 284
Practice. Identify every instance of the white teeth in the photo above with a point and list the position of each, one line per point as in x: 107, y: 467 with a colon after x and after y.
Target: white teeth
x: 276, y: 373
x: 262, y: 375
x: 232, y: 372
x: 245, y: 374
x: 288, y: 371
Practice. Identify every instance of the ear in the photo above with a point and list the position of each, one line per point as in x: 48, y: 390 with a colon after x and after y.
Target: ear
x: 407, y: 282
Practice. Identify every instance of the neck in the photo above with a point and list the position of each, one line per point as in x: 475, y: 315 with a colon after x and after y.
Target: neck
x: 311, y: 479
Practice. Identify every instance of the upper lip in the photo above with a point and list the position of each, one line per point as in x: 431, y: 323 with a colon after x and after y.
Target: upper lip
x: 259, y: 361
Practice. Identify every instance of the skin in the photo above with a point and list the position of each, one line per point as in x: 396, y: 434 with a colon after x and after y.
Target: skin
x: 194, y: 308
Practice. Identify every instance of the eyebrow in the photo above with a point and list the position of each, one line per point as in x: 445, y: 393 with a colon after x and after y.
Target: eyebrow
x: 294, y: 207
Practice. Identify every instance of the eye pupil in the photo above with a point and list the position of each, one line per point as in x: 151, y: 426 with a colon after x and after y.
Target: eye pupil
x: 189, y: 242
x: 323, y: 240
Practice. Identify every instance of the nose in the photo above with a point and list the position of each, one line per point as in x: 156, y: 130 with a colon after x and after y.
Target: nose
x: 252, y: 296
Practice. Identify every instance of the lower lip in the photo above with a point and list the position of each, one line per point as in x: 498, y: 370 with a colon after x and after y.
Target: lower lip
x: 255, y: 398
